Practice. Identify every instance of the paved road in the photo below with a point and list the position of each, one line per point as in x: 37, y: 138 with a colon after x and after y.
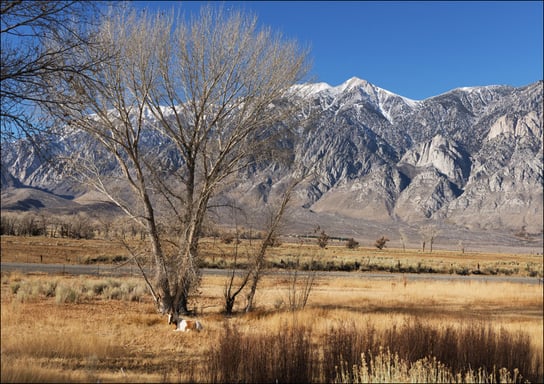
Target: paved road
x: 128, y: 270
x: 69, y: 269
x: 84, y: 269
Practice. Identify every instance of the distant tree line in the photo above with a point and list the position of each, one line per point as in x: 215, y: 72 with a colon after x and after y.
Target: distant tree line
x: 74, y: 226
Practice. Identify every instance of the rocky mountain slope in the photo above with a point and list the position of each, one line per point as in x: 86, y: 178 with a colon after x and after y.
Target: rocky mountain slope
x: 469, y: 159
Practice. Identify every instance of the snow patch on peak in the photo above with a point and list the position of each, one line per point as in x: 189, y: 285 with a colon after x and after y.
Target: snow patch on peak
x: 384, y: 100
x: 475, y: 89
x: 466, y: 89
x: 309, y: 89
x: 410, y: 102
x: 379, y: 95
x: 350, y: 84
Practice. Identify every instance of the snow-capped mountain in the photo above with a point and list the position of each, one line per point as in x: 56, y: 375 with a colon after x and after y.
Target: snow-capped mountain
x: 471, y: 158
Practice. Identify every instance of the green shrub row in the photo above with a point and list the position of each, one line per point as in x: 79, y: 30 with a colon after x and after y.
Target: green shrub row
x: 352, y: 266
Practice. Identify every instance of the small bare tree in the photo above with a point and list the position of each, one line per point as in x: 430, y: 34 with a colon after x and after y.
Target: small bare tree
x: 272, y: 231
x: 429, y: 233
x: 461, y: 245
x: 208, y: 93
x: 323, y: 240
x: 257, y: 259
x: 403, y: 239
x: 231, y: 291
x: 351, y: 243
x: 300, y: 285
x: 381, y: 242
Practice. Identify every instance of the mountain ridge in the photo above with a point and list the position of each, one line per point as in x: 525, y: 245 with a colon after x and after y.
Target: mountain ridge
x: 470, y: 157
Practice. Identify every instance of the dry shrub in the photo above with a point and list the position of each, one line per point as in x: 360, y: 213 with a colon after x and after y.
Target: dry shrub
x: 345, y: 345
x: 351, y: 243
x: 32, y: 290
x: 360, y: 353
x: 286, y: 356
x: 114, y: 289
x: 95, y: 287
x: 461, y: 349
x: 73, y: 291
x: 66, y: 294
x: 386, y: 367
x: 471, y: 345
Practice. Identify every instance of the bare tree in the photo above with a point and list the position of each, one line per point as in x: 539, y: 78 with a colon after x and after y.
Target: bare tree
x: 209, y: 94
x: 323, y: 240
x: 351, y: 243
x: 403, y: 239
x: 257, y: 260
x: 39, y: 40
x: 274, y: 226
x: 299, y: 292
x: 300, y: 287
x: 381, y: 242
x: 461, y: 245
x: 429, y: 233
x: 231, y: 291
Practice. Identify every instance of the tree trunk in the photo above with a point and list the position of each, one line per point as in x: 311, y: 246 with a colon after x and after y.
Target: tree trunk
x: 251, y: 294
x: 189, y: 274
x: 229, y: 304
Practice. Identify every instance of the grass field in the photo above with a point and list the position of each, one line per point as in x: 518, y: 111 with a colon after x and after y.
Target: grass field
x: 353, y: 329
x: 81, y: 329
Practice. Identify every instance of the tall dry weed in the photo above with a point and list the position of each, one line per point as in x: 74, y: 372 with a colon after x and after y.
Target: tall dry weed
x: 350, y: 352
x: 386, y: 367
x: 286, y: 356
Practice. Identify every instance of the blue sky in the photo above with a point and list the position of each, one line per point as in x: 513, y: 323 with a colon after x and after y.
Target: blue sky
x: 414, y: 49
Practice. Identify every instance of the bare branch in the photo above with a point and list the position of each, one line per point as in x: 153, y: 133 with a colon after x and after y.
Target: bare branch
x: 42, y: 40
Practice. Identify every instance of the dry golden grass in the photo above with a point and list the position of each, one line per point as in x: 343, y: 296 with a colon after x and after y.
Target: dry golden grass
x: 52, y: 250
x: 95, y: 338
x: 215, y: 253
